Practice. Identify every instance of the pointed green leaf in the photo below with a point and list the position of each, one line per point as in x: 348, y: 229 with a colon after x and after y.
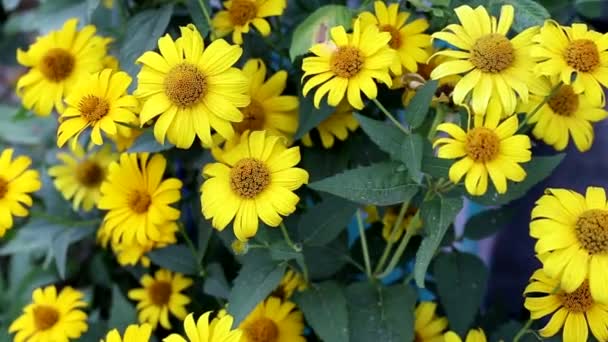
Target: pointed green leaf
x: 324, y: 307
x: 387, y: 136
x: 122, y: 312
x: 413, y: 145
x: 177, y: 258
x: 324, y: 222
x: 309, y: 116
x: 486, y: 223
x: 528, y: 13
x: 62, y: 242
x: 417, y: 110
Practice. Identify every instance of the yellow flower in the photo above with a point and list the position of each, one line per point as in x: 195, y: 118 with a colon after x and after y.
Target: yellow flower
x: 133, y: 333
x: 574, y: 311
x: 125, y: 137
x: 51, y: 316
x: 254, y: 179
x: 160, y: 296
x: 239, y: 14
x: 80, y: 175
x: 290, y: 283
x: 138, y: 200
x: 567, y: 113
x: 428, y: 327
x: 16, y: 184
x: 57, y: 61
x: 474, y: 335
x: 390, y: 218
x: 487, y: 149
x: 219, y: 330
x: 111, y: 62
x: 495, y: 69
x: 336, y: 125
x: 269, y: 110
x: 108, y: 4
x: 566, y: 50
x: 572, y: 233
x: 99, y: 101
x: 192, y: 89
x: 273, y: 320
x: 407, y: 39
x: 348, y: 64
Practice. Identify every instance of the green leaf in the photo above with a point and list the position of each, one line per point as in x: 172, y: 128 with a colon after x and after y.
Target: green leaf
x: 386, y: 135
x: 324, y: 261
x: 324, y: 307
x: 461, y: 284
x: 147, y: 143
x: 382, y: 183
x: 413, y: 145
x: 436, y: 167
x: 122, y: 312
x: 590, y: 8
x: 324, y: 222
x: 30, y: 131
x: 380, y: 314
x: 507, y: 331
x: 315, y: 28
x: 10, y: 5
x: 528, y: 13
x: 281, y: 251
x: 537, y: 169
x: 486, y: 223
x: 141, y: 35
x: 256, y: 280
x: 310, y: 117
x: 177, y: 258
x: 437, y: 215
x: 416, y: 111
x: 62, y: 242
x: 196, y: 13
x: 216, y: 284
x: 37, y: 234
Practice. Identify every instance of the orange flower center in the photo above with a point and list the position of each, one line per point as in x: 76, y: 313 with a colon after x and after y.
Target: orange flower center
x: 160, y: 293
x: 242, y: 11
x: 89, y: 174
x: 578, y: 301
x: 564, y: 102
x: 492, y: 53
x: 395, y: 41
x: 57, y: 64
x: 482, y: 144
x: 185, y: 85
x: 592, y: 231
x: 346, y: 62
x: 249, y: 177
x: 3, y: 187
x: 45, y: 317
x: 582, y: 55
x: 253, y: 118
x: 139, y: 201
x: 93, y: 108
x: 262, y: 330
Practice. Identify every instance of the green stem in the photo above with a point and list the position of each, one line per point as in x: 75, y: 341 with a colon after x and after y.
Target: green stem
x: 399, y: 252
x: 390, y: 116
x: 438, y: 119
x: 390, y: 242
x: 192, y: 249
x: 523, y: 330
x: 288, y: 240
x: 207, y: 18
x: 363, y: 239
x: 540, y: 105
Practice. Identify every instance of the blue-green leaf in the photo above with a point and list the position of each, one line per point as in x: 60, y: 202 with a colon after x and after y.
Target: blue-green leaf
x: 418, y: 108
x: 177, y: 258
x: 324, y: 307
x: 324, y: 222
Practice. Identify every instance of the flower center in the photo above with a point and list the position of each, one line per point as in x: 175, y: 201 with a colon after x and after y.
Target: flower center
x: 185, y: 85
x: 253, y: 118
x: 249, y: 177
x: 492, y: 53
x: 89, y: 174
x: 160, y: 293
x: 139, y: 201
x: 395, y: 41
x: 346, y: 62
x: 582, y: 55
x: 242, y: 11
x: 564, y: 102
x: 592, y: 230
x: 93, y: 108
x: 45, y: 317
x: 3, y: 187
x: 482, y: 144
x: 57, y: 64
x: 578, y: 301
x: 262, y: 330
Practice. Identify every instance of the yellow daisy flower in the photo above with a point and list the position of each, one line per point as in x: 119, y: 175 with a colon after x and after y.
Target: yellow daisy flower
x: 576, y: 312
x: 348, y: 64
x: 566, y: 50
x: 16, y: 184
x: 219, y: 330
x: 290, y: 283
x: 80, y: 175
x: 273, y: 320
x: 138, y: 200
x: 192, y: 89
x: 336, y: 126
x: 269, y: 110
x: 495, y: 68
x: 474, y: 335
x: 57, y: 61
x: 487, y: 149
x: 407, y: 39
x: 239, y: 14
x: 159, y: 296
x: 125, y: 137
x: 428, y: 327
x: 566, y: 113
x: 390, y: 218
x: 99, y: 101
x: 255, y: 179
x: 111, y: 62
x: 133, y: 333
x: 572, y: 233
x: 51, y: 316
